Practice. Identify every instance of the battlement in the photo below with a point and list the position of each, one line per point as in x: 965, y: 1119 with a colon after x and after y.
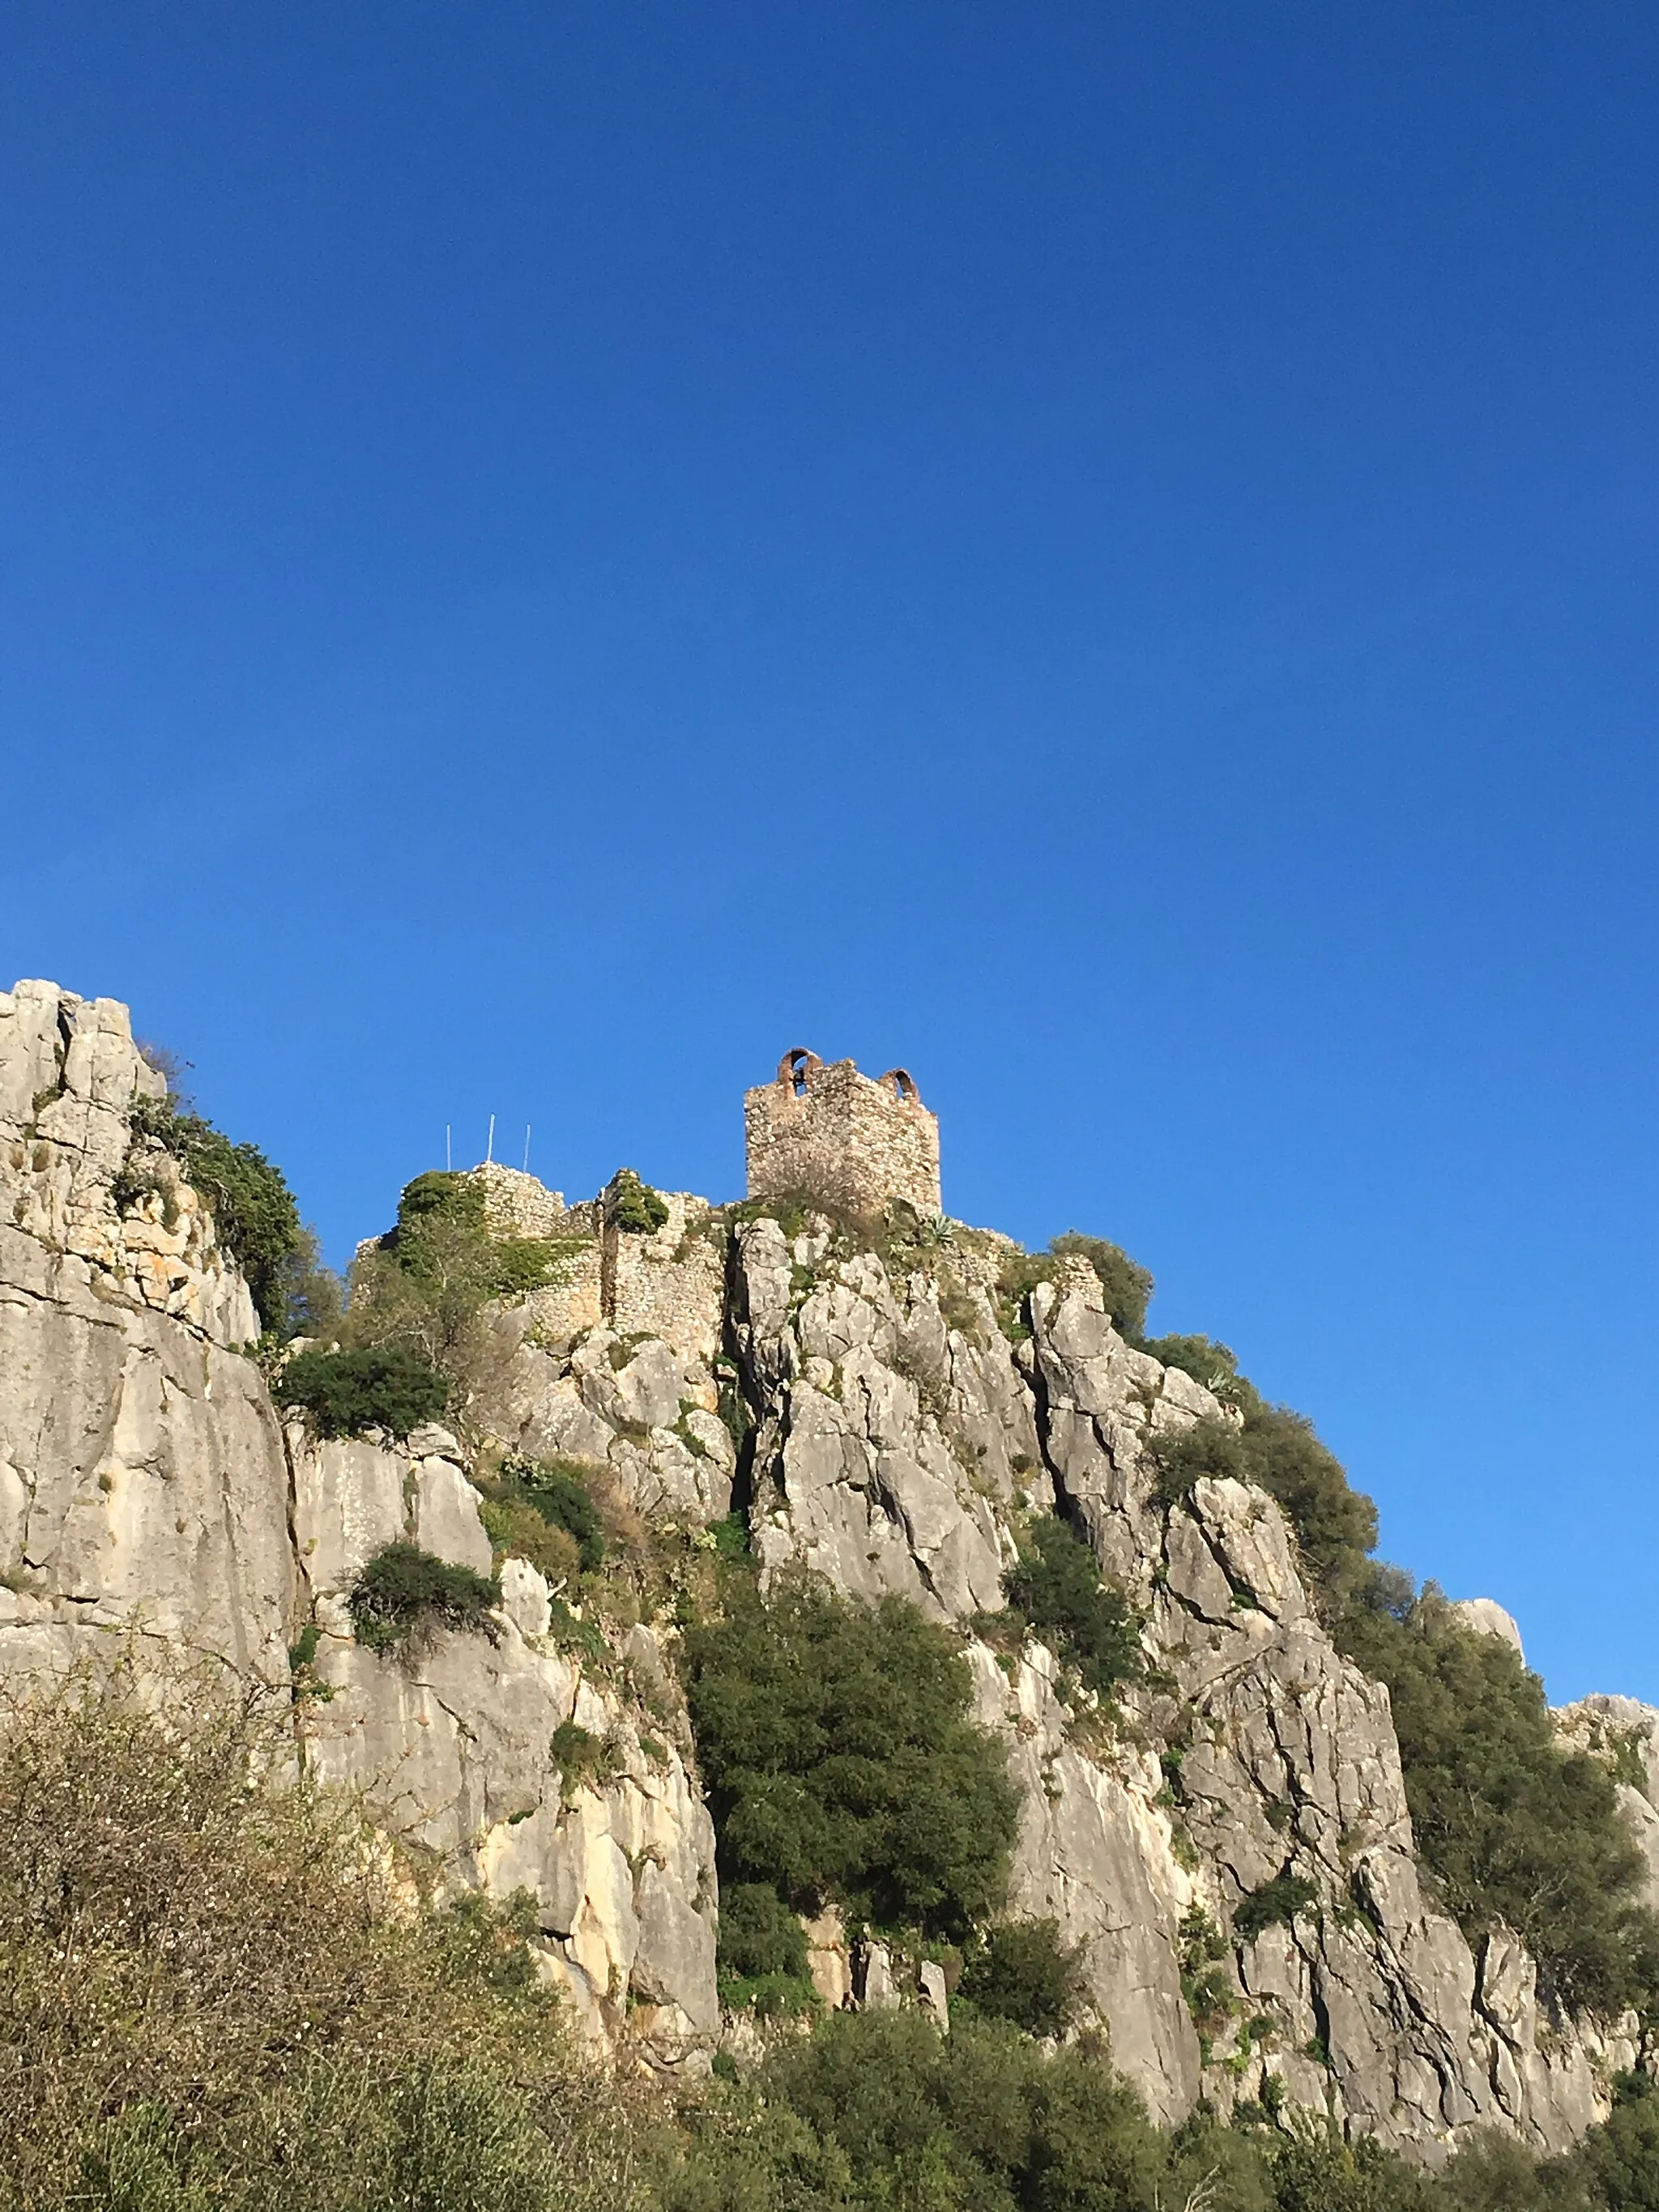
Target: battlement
x: 851, y: 1140
x: 517, y: 1204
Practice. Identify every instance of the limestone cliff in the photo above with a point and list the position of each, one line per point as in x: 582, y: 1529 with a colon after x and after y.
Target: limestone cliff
x: 894, y: 1440
x: 147, y: 1490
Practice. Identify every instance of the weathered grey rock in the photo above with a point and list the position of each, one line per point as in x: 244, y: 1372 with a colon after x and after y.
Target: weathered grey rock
x: 1094, y: 1853
x: 1489, y: 1617
x: 932, y: 1995
x: 446, y: 1516
x: 1624, y: 1735
x: 449, y: 1740
x: 873, y: 1461
x: 639, y: 1407
x: 143, y: 1480
x: 146, y: 1486
x: 877, y: 1991
x: 147, y: 1489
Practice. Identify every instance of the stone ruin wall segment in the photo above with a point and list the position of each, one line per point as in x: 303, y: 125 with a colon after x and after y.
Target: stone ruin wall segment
x: 851, y: 1140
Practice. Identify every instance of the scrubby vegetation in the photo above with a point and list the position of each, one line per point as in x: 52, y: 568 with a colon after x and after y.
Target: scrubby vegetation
x: 347, y: 1393
x: 633, y: 1206
x: 840, y: 1759
x: 403, y: 1590
x: 254, y: 1213
x: 423, y: 1290
x: 1021, y: 1971
x: 1276, y: 1903
x: 213, y: 1995
x: 210, y: 1994
x: 1056, y: 1590
x: 543, y: 1510
x: 1127, y: 1285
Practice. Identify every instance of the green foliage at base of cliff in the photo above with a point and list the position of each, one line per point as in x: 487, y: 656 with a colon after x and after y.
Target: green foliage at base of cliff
x: 214, y: 1998
x: 840, y: 1759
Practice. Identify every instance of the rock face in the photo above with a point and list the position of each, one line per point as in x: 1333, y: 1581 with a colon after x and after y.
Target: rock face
x: 894, y: 1440
x: 453, y: 1741
x: 147, y: 1490
x: 1624, y: 1734
x: 143, y: 1483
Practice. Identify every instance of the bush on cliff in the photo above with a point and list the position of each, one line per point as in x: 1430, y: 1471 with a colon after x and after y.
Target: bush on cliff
x: 839, y: 1757
x: 404, y: 1589
x: 254, y: 1214
x: 1127, y: 1286
x: 1055, y: 1588
x: 545, y: 1510
x: 633, y: 1206
x: 347, y: 1393
x: 1022, y: 1972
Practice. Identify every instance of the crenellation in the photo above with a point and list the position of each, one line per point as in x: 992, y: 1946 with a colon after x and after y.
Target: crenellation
x: 853, y: 1140
x: 517, y: 1204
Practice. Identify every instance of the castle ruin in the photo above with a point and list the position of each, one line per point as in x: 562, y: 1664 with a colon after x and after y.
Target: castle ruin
x: 852, y: 1140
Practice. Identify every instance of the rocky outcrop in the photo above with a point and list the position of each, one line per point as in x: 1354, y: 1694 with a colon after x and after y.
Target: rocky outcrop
x: 1232, y: 1853
x: 1283, y: 1763
x: 1489, y: 1617
x: 1624, y: 1735
x: 148, y: 1491
x: 887, y: 1444
x: 452, y: 1739
x: 143, y: 1483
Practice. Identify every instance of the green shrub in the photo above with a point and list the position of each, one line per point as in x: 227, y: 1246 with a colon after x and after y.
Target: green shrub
x: 1618, y: 2163
x: 1277, y: 1902
x: 1207, y: 1362
x: 1512, y: 1826
x: 1056, y: 1587
x: 1024, y: 1973
x: 583, y: 1760
x: 403, y: 1589
x: 633, y: 1206
x: 214, y: 1997
x: 840, y: 1759
x: 1313, y: 2170
x: 1127, y: 1286
x: 1201, y: 1951
x: 1336, y: 1525
x: 556, y: 1491
x: 759, y: 1934
x: 982, y: 2120
x: 253, y: 1209
x: 345, y: 1393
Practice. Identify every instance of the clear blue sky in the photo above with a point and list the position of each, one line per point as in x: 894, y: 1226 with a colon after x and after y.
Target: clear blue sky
x: 1107, y: 553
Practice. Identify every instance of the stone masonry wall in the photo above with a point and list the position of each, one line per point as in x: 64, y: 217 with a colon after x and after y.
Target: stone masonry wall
x: 848, y: 1140
x: 517, y: 1204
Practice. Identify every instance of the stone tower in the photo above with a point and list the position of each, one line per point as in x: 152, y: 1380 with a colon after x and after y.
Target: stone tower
x: 841, y: 1136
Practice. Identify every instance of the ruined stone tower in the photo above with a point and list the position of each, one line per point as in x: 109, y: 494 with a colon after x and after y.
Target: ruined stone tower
x: 841, y: 1136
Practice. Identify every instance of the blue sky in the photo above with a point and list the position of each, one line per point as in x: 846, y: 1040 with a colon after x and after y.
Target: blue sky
x: 1106, y: 553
